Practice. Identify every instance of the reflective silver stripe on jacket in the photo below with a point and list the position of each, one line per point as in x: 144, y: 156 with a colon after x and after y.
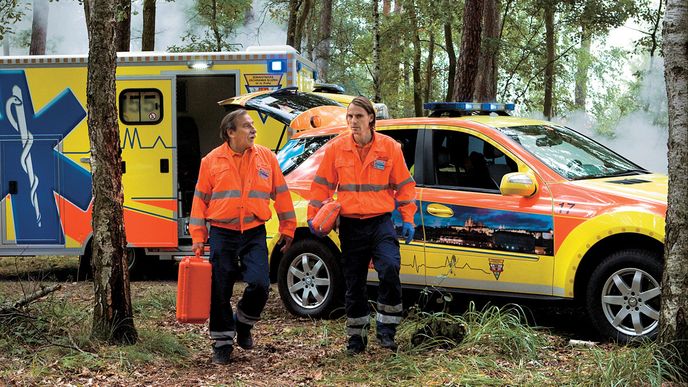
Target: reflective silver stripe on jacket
x: 323, y: 181
x: 247, y: 219
x: 397, y: 187
x: 315, y: 203
x: 404, y: 202
x: 202, y: 195
x: 281, y: 188
x: 258, y: 194
x: 233, y: 193
x: 197, y: 221
x: 363, y: 187
x: 286, y: 215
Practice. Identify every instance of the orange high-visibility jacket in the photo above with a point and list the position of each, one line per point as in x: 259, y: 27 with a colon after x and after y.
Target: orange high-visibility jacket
x: 364, y: 188
x: 220, y: 199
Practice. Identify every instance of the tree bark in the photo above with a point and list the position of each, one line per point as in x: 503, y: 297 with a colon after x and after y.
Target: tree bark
x: 214, y: 27
x: 467, y: 67
x: 386, y: 7
x: 112, y: 313
x: 322, y: 49
x: 429, y: 72
x: 301, y: 22
x: 294, y: 6
x: 123, y: 27
x: 674, y: 310
x: 451, y: 56
x: 377, y: 73
x: 417, y: 83
x: 547, y: 106
x: 486, y: 81
x: 582, y: 65
x: 39, y: 27
x: 148, y: 35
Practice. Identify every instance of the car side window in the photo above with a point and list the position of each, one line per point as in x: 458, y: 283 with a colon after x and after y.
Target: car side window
x: 407, y: 138
x: 464, y: 161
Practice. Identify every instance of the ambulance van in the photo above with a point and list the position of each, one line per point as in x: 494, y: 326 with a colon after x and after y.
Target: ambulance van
x: 168, y: 117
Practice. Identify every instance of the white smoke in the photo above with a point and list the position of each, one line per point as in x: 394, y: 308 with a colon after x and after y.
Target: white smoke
x: 641, y: 136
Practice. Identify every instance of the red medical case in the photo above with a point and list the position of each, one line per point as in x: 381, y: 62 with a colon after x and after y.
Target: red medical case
x: 193, y: 290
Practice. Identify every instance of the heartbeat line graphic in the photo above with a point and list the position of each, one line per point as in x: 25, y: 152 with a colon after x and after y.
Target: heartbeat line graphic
x: 450, y: 263
x: 134, y: 138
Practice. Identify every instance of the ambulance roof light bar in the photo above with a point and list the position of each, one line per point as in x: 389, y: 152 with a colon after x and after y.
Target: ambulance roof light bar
x: 455, y: 109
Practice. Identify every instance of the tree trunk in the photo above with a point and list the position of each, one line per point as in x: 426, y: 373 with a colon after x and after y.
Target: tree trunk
x: 301, y: 22
x: 417, y: 83
x: 486, y: 81
x: 547, y: 110
x: 451, y: 55
x: 39, y: 27
x: 386, y: 7
x: 123, y: 27
x: 322, y: 50
x: 467, y: 67
x: 112, y: 313
x: 148, y: 35
x: 214, y: 27
x: 377, y: 82
x: 294, y: 6
x: 674, y: 310
x: 429, y: 68
x: 582, y: 65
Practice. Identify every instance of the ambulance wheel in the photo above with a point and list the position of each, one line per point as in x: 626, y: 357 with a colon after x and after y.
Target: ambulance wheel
x: 309, y: 280
x: 623, y: 295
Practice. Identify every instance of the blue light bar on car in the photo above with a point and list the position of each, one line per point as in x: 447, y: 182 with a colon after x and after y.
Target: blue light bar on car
x: 469, y: 106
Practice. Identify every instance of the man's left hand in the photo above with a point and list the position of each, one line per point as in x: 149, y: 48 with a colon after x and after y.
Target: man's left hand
x: 287, y: 243
x: 407, y: 232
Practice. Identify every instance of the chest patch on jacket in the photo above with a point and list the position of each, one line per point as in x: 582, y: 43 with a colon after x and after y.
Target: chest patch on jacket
x: 263, y: 173
x: 379, y: 164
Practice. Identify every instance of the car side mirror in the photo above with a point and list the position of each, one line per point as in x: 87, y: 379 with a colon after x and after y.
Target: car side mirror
x: 518, y: 184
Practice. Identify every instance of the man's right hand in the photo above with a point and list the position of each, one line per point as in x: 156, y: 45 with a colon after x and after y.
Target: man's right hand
x: 198, y: 248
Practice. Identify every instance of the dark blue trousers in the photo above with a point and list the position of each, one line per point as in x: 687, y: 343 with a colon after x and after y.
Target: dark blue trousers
x: 361, y: 241
x: 235, y: 255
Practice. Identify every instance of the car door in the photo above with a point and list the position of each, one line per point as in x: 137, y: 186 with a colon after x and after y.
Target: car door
x: 412, y: 271
x: 475, y: 237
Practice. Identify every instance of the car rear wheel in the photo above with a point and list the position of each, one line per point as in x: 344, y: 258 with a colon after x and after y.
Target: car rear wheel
x: 309, y: 279
x: 623, y: 296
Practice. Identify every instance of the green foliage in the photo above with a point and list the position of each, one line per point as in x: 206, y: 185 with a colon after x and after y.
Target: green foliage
x: 212, y: 24
x: 11, y: 12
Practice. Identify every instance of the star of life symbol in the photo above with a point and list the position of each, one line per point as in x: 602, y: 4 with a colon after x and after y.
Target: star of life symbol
x: 17, y: 119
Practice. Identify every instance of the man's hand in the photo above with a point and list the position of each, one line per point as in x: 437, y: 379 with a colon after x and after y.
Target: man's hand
x: 287, y: 243
x: 407, y: 232
x: 198, y: 248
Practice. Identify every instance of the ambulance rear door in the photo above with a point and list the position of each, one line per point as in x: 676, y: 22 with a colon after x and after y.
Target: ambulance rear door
x: 146, y: 116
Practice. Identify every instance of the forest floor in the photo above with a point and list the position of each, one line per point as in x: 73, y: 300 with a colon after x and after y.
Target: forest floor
x: 48, y: 343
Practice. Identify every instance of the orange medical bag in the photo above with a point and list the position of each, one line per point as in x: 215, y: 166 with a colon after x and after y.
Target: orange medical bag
x: 323, y: 222
x: 193, y: 290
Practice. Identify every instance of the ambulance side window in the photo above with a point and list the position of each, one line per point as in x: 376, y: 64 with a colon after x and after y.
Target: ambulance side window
x: 407, y: 139
x: 140, y: 106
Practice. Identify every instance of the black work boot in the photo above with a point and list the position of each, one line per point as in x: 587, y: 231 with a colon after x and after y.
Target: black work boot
x: 356, y: 345
x: 221, y: 354
x: 387, y: 341
x: 243, y: 334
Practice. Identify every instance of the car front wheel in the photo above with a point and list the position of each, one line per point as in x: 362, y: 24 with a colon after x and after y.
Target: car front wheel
x: 309, y: 280
x: 623, y: 296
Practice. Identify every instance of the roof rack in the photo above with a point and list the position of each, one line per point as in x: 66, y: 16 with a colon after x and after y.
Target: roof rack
x: 458, y: 109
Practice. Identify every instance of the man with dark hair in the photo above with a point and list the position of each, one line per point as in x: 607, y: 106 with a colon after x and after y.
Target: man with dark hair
x: 235, y: 184
x: 368, y: 171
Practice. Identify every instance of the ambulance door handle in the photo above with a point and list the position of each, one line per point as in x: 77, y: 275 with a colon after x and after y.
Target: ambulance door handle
x: 440, y: 210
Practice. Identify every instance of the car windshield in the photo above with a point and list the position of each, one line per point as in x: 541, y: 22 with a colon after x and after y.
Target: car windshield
x: 298, y: 150
x: 288, y: 104
x: 569, y: 153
